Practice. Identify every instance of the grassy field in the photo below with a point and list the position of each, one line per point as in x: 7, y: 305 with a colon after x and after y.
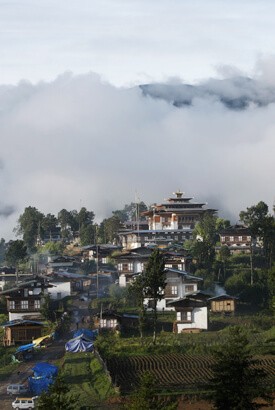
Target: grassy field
x: 86, y: 377
x: 111, y: 344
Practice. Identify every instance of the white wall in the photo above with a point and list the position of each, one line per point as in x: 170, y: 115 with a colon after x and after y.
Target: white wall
x: 60, y: 290
x: 16, y: 316
x: 199, y: 320
x: 122, y: 280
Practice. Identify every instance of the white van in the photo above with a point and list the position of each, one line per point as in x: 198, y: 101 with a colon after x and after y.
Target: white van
x: 17, y: 389
x: 24, y: 403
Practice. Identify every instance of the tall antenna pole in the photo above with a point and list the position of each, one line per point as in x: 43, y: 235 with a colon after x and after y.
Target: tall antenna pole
x: 137, y: 213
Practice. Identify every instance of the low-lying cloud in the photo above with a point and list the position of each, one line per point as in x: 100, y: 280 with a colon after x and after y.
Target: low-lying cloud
x: 78, y: 141
x: 237, y: 93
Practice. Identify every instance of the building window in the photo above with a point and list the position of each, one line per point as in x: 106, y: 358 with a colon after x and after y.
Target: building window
x: 125, y: 267
x: 24, y: 304
x: 222, y: 238
x: 240, y: 238
x: 174, y: 290
x: 12, y: 304
x: 58, y: 295
x: 231, y: 238
x: 112, y: 323
x: 189, y: 288
x: 186, y: 316
x: 26, y: 293
x: 37, y: 304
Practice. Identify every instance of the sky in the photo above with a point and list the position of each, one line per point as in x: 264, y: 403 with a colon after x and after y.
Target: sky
x: 77, y: 130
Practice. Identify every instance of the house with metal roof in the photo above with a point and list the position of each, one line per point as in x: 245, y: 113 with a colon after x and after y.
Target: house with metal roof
x: 178, y: 284
x: 191, y: 313
x: 21, y: 331
x: 25, y: 299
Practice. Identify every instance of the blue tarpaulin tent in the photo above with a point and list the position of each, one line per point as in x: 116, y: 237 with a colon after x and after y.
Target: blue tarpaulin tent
x: 79, y: 344
x: 87, y: 333
x: 45, y: 369
x: 40, y: 384
x: 44, y: 375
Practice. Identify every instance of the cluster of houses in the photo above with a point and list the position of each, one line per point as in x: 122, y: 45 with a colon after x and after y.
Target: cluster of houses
x: 166, y: 226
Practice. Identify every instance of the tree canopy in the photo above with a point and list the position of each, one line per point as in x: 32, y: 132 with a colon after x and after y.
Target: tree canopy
x: 16, y: 253
x: 237, y: 380
x: 58, y: 397
x: 262, y: 226
x: 154, y: 281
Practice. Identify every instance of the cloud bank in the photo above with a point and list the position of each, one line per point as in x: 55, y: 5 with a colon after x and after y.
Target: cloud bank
x: 78, y: 141
x: 236, y: 93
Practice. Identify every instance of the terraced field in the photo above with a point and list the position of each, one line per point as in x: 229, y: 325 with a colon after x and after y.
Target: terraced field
x: 173, y: 372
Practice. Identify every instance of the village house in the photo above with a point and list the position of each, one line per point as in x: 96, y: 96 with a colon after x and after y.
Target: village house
x: 61, y: 288
x: 178, y: 284
x: 79, y: 283
x: 9, y: 276
x: 133, y: 262
x: 56, y: 263
x: 101, y: 254
x: 21, y: 331
x: 24, y: 301
x: 191, y: 313
x: 238, y: 239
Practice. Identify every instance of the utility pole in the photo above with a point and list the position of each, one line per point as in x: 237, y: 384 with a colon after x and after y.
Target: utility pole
x: 97, y: 279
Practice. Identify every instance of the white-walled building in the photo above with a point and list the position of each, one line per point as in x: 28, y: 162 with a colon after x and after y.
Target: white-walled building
x: 192, y: 313
x: 60, y: 289
x: 178, y: 284
x: 133, y: 262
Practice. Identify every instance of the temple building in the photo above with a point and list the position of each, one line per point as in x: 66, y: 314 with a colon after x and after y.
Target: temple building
x: 166, y: 223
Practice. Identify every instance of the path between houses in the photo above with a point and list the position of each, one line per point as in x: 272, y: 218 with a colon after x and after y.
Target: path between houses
x: 79, y: 310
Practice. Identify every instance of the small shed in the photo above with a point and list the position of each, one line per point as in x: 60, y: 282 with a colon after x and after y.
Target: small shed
x: 21, y: 331
x: 223, y: 304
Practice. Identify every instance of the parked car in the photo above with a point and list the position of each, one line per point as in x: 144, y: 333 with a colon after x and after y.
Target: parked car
x: 24, y: 403
x: 17, y: 389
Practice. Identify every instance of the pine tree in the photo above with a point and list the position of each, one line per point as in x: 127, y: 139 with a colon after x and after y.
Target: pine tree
x: 237, y: 379
x: 58, y: 397
x: 154, y: 278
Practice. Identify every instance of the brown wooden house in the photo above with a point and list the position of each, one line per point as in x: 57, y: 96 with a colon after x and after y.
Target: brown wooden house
x: 24, y: 301
x: 21, y: 331
x: 223, y: 304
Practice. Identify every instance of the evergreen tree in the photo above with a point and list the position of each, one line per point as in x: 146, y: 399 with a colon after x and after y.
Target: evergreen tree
x: 29, y: 226
x: 262, y: 226
x: 137, y: 291
x: 3, y: 247
x: 16, y: 253
x: 154, y: 282
x: 205, y: 237
x: 236, y: 381
x: 145, y: 397
x: 58, y: 397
